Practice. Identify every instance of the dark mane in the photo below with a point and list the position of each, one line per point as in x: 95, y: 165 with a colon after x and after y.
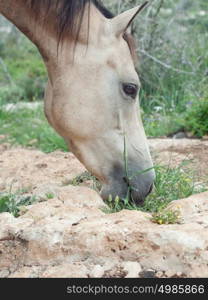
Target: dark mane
x: 68, y: 12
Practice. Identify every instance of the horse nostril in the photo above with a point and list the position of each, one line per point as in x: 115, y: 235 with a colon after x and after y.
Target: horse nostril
x: 126, y: 180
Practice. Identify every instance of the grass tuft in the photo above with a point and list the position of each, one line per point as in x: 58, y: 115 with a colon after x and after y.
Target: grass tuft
x: 12, y: 203
x: 170, y: 184
x: 84, y: 177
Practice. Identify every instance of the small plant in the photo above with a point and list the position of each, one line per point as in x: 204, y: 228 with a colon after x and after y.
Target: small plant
x: 166, y: 217
x: 13, y: 202
x: 170, y: 184
x: 85, y: 176
x: 196, y: 118
x: 50, y: 196
x: 118, y: 204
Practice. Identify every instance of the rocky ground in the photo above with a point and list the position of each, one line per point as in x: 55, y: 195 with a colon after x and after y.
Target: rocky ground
x: 71, y: 236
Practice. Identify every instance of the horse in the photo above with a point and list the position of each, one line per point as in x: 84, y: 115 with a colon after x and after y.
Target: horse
x: 91, y: 98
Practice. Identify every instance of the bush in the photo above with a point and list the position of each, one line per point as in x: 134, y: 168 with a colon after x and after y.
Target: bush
x: 33, y: 87
x: 22, y: 72
x: 196, y: 119
x: 11, y: 93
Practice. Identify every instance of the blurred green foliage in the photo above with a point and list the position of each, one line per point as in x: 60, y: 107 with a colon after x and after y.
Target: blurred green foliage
x: 29, y: 128
x: 196, y: 118
x: 172, y: 38
x: 22, y: 72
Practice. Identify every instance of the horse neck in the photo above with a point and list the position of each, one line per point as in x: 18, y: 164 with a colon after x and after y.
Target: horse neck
x: 21, y: 15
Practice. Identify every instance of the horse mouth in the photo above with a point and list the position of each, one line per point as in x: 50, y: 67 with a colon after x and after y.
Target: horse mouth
x: 126, y: 192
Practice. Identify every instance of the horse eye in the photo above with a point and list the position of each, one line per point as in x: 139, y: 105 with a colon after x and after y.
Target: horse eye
x: 130, y: 89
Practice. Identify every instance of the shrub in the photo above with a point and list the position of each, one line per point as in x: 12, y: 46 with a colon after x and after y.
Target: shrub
x: 11, y: 93
x: 196, y: 119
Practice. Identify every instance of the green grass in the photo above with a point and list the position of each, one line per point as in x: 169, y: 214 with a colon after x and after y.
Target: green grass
x: 84, y: 177
x: 163, y: 124
x: 170, y: 184
x: 162, y: 121
x: 25, y: 68
x: 12, y: 203
x: 29, y: 128
x: 50, y: 196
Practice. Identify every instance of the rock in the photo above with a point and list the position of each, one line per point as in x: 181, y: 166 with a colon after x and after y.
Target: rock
x: 71, y: 236
x: 174, y: 152
x: 97, y: 272
x: 62, y: 238
x: 17, y: 165
x: 133, y: 269
x: 170, y: 274
x: 200, y: 271
x: 66, y: 271
x: 205, y: 137
x: 27, y: 272
x: 148, y: 274
x: 11, y: 107
x: 193, y: 209
x: 5, y: 220
x: 116, y: 272
x: 159, y: 274
x: 179, y: 135
x: 4, y: 273
x: 84, y: 196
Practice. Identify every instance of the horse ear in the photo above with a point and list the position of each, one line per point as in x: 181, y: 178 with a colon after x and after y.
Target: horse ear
x: 122, y: 22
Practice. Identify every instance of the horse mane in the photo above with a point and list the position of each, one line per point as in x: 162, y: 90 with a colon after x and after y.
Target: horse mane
x: 70, y: 15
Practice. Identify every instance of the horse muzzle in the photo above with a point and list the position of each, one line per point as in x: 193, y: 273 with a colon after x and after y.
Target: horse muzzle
x: 137, y: 185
